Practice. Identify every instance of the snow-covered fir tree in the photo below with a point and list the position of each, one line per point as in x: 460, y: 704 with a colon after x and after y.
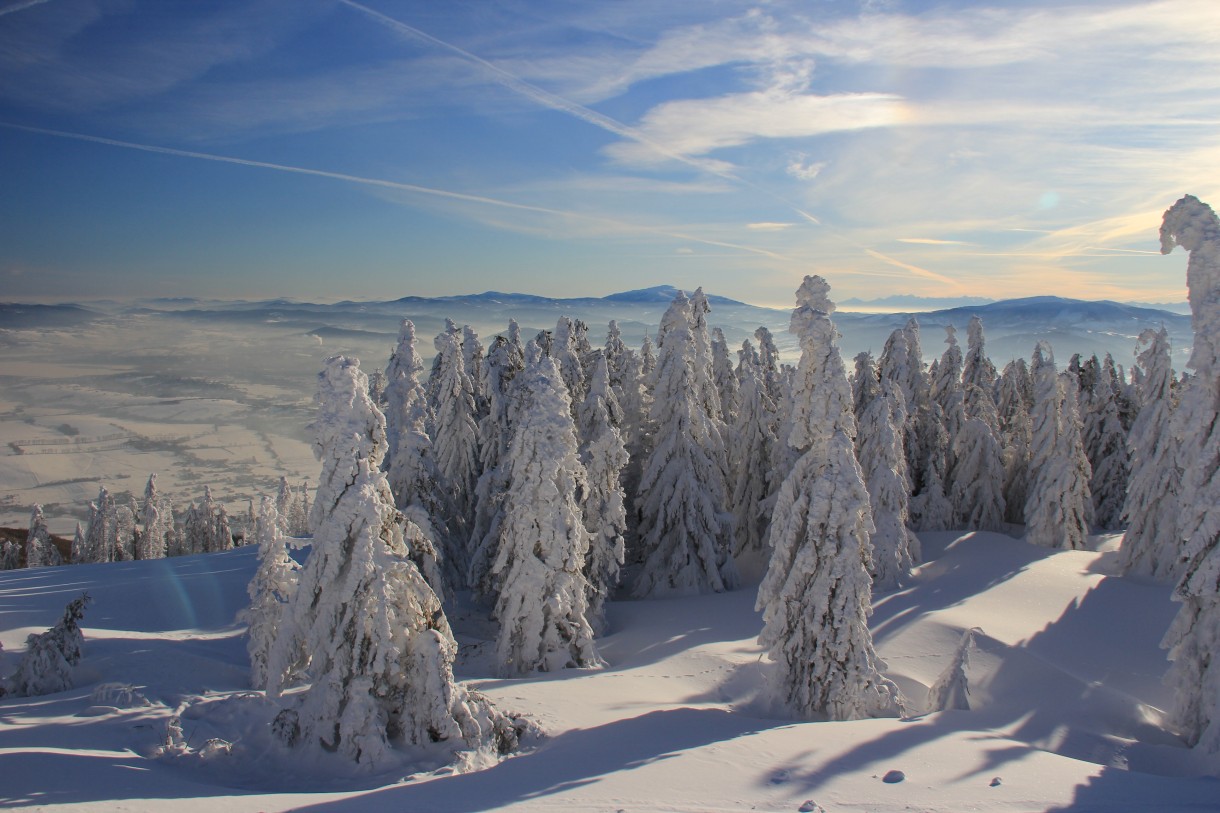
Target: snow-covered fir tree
x: 815, y: 598
x: 472, y: 359
x: 769, y: 365
x: 1192, y: 639
x: 750, y: 450
x: 704, y: 365
x: 567, y: 358
x: 504, y: 362
x: 540, y: 563
x: 283, y: 506
x: 604, y: 457
x: 98, y: 543
x: 126, y: 533
x: 1151, y: 543
x: 682, y: 513
x: 882, y: 460
x: 951, y: 691
x: 1105, y: 442
x: 931, y: 509
x: 270, y: 591
x: 1016, y: 433
x: 158, y: 518
x: 40, y: 551
x: 456, y: 440
x: 46, y: 667
x: 946, y: 387
x: 1058, y: 501
x: 10, y: 555
x: 724, y: 377
x: 977, y: 369
x: 379, y: 647
x: 404, y: 390
x: 413, y: 473
x: 977, y: 492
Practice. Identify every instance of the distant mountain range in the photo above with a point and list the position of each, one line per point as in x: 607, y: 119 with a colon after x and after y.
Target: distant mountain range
x: 1012, y: 326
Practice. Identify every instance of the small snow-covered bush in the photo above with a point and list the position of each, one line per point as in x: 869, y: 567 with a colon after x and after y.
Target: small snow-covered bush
x: 47, y: 665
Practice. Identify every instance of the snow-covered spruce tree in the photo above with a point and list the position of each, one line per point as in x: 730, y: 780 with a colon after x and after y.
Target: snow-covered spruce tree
x: 567, y: 359
x: 879, y: 449
x: 46, y: 667
x: 902, y: 363
x: 768, y: 359
x: 1151, y: 544
x: 78, y: 549
x: 283, y: 505
x: 977, y: 369
x: 1105, y: 442
x: 456, y: 438
x: 99, y: 533
x: 705, y: 373
x: 402, y: 382
x: 725, y: 379
x: 379, y: 647
x: 947, y: 386
x: 951, y: 691
x: 40, y: 551
x: 504, y: 362
x: 1056, y: 507
x: 750, y: 449
x: 605, y: 515
x: 1192, y: 639
x: 413, y: 473
x: 540, y: 564
x: 865, y: 384
x: 158, y: 519
x: 977, y: 492
x: 683, y: 529
x: 270, y: 591
x: 126, y: 533
x: 472, y: 359
x: 931, y: 509
x: 10, y: 555
x: 815, y: 596
x: 1016, y: 438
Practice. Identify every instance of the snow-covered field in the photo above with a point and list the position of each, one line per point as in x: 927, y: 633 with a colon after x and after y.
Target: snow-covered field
x: 1065, y: 696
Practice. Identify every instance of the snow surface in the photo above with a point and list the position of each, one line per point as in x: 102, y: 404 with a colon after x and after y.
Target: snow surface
x: 1065, y: 683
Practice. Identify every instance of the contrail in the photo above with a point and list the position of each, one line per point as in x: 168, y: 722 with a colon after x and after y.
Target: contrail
x: 21, y: 6
x: 379, y: 182
x: 915, y: 269
x: 537, y: 94
x: 554, y: 102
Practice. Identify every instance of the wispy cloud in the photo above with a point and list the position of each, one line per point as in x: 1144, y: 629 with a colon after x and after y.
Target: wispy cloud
x: 619, y: 225
x: 931, y: 241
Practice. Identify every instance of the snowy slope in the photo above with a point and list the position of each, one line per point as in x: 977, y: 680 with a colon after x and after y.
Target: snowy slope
x: 1065, y: 694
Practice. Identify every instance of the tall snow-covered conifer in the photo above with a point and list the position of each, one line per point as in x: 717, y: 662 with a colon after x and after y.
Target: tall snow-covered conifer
x: 1057, y: 505
x: 604, y: 457
x: 40, y: 551
x: 1151, y: 544
x: 1194, y: 675
x: 379, y: 647
x: 456, y: 440
x: 540, y: 564
x: 815, y: 596
x: 682, y: 513
x: 270, y: 591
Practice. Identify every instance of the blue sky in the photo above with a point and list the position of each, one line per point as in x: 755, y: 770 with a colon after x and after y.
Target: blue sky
x: 323, y: 149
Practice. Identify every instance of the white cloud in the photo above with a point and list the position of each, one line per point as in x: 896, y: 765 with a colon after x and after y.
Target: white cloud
x: 696, y: 127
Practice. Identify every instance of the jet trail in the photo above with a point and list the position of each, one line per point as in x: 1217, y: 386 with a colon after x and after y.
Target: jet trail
x: 554, y: 102
x: 21, y: 6
x: 385, y: 184
x: 537, y: 94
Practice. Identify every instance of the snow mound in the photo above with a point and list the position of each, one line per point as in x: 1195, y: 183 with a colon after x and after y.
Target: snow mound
x: 1064, y: 679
